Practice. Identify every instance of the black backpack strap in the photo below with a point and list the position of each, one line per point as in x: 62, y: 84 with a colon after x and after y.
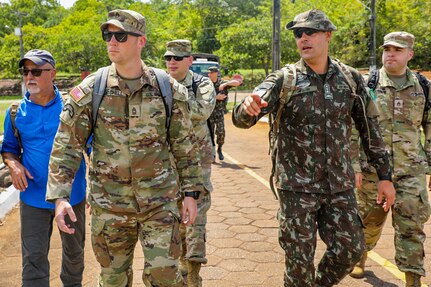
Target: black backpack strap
x: 425, y: 84
x: 166, y: 89
x: 13, y: 110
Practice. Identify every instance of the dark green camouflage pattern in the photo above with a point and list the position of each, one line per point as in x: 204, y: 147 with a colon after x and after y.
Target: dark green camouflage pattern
x: 217, y: 116
x: 314, y: 137
x: 336, y: 219
x: 313, y: 19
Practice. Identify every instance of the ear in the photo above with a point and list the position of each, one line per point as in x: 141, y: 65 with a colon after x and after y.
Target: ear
x: 142, y: 41
x: 328, y: 35
x: 53, y: 73
x: 411, y: 53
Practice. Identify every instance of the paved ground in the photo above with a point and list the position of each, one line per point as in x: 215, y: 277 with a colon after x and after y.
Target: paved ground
x: 242, y: 237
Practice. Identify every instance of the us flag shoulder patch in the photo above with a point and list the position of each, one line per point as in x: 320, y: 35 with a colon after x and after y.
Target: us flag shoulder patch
x: 77, y: 94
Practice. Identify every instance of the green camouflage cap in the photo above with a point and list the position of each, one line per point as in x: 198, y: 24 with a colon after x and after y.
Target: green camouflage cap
x: 182, y: 48
x: 213, y: 69
x: 126, y: 20
x: 399, y: 39
x: 313, y: 19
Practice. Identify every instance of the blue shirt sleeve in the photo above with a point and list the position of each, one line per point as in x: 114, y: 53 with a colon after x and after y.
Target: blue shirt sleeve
x: 10, y: 142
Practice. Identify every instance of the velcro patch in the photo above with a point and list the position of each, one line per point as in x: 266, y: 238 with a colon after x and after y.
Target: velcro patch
x: 77, y: 94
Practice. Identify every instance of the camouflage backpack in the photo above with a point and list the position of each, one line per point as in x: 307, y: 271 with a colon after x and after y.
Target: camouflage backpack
x: 289, y: 82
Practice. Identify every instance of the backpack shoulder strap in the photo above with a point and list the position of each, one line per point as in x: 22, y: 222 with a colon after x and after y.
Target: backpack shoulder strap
x: 425, y: 84
x: 289, y: 81
x: 347, y: 74
x: 165, y: 87
x: 100, y: 80
x: 197, y: 79
x: 13, y: 110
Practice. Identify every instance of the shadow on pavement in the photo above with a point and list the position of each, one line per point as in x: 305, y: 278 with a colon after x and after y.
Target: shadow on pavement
x: 225, y: 164
x: 372, y: 280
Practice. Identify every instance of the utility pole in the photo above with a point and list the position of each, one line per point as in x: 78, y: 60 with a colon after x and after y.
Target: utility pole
x: 276, y: 36
x: 18, y: 32
x: 373, y: 35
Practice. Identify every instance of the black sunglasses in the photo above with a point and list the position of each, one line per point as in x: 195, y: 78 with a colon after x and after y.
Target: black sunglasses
x: 297, y: 33
x: 34, y: 72
x: 176, y: 58
x: 119, y: 36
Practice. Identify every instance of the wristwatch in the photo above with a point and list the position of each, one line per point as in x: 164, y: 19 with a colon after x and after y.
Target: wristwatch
x: 194, y: 194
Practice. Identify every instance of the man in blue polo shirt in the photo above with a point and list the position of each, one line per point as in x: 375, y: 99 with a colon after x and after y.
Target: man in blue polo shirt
x: 37, y: 120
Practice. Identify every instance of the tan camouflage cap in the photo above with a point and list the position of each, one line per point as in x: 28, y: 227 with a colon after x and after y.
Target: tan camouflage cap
x: 313, y: 19
x: 126, y: 20
x: 399, y: 39
x: 182, y: 48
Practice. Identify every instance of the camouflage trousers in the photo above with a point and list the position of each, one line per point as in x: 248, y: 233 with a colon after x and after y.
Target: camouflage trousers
x: 217, y: 124
x: 409, y: 214
x: 193, y: 237
x: 335, y: 217
x: 114, y: 236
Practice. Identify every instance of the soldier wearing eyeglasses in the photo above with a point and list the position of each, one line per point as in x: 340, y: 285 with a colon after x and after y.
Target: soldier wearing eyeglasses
x: 26, y: 154
x: 314, y: 178
x: 138, y: 166
x: 178, y: 59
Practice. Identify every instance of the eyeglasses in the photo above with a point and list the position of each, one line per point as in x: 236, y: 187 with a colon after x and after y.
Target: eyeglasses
x: 297, y: 33
x: 119, y: 36
x: 34, y: 72
x: 176, y: 58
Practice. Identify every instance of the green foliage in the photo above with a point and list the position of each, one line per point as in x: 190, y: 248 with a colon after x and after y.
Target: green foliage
x: 239, y: 31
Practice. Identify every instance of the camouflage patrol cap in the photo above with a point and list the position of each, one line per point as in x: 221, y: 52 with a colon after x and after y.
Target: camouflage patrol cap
x: 313, y: 19
x: 213, y: 69
x: 182, y: 48
x: 126, y: 20
x: 399, y: 39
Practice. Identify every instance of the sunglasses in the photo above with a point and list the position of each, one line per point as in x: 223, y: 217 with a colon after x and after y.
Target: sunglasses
x: 121, y: 37
x: 297, y: 33
x: 176, y: 58
x: 34, y: 72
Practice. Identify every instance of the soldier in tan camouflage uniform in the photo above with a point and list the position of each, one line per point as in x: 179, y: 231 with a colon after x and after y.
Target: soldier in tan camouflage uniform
x: 137, y: 165
x: 403, y: 114
x: 313, y: 173
x: 202, y: 101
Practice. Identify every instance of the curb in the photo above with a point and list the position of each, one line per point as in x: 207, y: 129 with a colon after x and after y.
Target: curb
x: 8, y: 200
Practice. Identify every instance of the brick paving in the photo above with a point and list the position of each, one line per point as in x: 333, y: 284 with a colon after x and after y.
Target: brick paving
x: 242, y: 230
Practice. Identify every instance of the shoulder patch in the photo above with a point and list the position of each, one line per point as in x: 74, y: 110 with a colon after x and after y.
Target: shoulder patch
x: 77, y: 94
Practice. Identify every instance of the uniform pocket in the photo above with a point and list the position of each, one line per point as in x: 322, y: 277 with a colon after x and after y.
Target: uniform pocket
x: 100, y: 248
x: 175, y: 246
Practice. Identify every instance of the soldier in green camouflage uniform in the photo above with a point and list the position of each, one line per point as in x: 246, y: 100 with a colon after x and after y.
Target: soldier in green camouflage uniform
x: 403, y: 114
x: 137, y: 165
x: 313, y: 172
x: 202, y: 100
x: 217, y: 117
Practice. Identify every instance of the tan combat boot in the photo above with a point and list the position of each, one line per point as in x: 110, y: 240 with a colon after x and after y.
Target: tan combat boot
x: 182, y: 267
x: 413, y: 279
x: 193, y: 278
x: 358, y: 271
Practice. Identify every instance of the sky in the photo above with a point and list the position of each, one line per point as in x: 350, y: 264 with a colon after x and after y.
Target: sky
x: 67, y: 3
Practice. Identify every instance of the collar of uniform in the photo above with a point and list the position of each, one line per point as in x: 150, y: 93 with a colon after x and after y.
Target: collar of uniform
x: 302, y: 67
x: 146, y: 78
x: 384, y: 80
x: 188, y: 80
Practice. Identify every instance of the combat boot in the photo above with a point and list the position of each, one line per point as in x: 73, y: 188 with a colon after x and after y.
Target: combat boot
x: 413, y: 279
x: 358, y: 271
x: 193, y: 278
x: 220, y: 154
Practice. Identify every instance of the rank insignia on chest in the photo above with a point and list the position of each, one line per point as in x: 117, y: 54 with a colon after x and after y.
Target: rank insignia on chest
x: 398, y: 104
x: 77, y: 94
x: 135, y: 110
